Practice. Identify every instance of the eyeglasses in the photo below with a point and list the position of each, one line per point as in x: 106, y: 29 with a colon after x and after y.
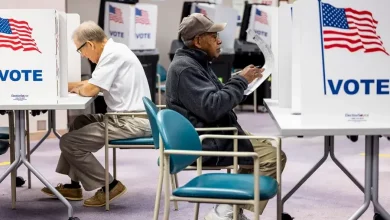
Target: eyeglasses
x: 213, y: 35
x: 78, y: 49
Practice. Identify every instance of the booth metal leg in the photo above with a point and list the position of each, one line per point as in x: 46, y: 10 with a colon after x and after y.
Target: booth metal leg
x: 51, y: 128
x: 328, y: 150
x: 20, y: 152
x: 375, y: 179
x: 11, y: 121
x: 28, y: 148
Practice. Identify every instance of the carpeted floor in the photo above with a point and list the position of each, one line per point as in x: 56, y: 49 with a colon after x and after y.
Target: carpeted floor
x: 329, y: 194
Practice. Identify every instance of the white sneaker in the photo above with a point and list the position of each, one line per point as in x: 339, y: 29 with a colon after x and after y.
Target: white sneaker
x: 224, y: 212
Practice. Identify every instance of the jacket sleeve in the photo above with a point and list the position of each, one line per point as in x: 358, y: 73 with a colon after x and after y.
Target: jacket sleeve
x: 200, y: 95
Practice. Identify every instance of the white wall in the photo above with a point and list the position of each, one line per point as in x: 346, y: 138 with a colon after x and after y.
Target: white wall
x: 88, y: 10
x: 37, y: 4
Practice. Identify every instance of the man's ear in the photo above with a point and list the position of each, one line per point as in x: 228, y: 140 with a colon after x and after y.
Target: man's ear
x: 92, y: 45
x: 197, y: 42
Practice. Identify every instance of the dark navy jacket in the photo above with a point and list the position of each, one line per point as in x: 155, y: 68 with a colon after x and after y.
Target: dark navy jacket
x: 193, y: 90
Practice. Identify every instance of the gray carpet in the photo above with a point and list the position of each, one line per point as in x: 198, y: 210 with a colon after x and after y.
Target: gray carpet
x: 327, y: 195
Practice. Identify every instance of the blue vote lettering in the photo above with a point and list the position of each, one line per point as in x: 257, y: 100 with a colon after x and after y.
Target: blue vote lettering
x: 21, y: 75
x: 353, y: 86
x: 117, y: 34
x: 143, y: 36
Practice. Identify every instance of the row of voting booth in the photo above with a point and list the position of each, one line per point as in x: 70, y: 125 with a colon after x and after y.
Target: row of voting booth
x: 55, y: 62
x: 135, y: 24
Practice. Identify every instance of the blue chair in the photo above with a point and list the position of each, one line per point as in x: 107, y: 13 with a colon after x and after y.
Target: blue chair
x: 183, y: 147
x: 161, y: 78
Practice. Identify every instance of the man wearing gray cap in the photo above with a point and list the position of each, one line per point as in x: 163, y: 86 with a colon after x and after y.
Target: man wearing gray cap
x: 193, y: 90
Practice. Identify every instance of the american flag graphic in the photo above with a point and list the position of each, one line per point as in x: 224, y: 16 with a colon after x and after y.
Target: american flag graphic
x: 350, y: 29
x: 141, y: 16
x: 115, y: 14
x: 16, y: 35
x: 261, y: 16
x: 200, y: 10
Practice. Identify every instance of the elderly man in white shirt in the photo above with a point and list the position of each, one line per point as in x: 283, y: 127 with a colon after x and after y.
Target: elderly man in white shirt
x: 119, y: 75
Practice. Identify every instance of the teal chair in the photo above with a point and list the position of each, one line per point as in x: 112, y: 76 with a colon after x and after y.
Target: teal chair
x: 161, y: 78
x: 152, y: 110
x: 182, y: 147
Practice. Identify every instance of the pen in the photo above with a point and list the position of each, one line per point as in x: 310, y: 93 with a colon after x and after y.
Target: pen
x: 233, y: 74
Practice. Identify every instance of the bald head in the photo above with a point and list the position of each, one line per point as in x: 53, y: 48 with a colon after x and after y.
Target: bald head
x: 89, y: 31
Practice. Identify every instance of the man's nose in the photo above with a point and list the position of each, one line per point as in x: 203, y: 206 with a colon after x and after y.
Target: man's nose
x: 219, y: 41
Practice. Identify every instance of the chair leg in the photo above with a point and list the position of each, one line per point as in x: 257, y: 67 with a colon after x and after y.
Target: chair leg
x: 159, y: 88
x: 107, y: 178
x: 173, y: 182
x: 196, y: 217
x: 167, y: 197
x: 176, y: 181
x: 114, y: 159
x: 177, y: 185
x: 235, y: 212
x: 158, y: 193
x: 257, y: 210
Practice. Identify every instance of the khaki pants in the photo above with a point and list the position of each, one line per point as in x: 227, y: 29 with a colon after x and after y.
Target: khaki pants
x: 267, y: 154
x: 86, y: 136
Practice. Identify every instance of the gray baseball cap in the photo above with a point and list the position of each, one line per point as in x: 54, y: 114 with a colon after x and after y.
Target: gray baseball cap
x: 196, y: 24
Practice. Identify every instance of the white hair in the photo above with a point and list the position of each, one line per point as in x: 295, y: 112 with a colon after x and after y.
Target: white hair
x: 89, y: 31
x: 188, y: 43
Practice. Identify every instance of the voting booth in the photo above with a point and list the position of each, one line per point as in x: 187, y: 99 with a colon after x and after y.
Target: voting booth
x: 263, y: 20
x: 38, y: 58
x: 34, y: 55
x: 135, y: 25
x: 33, y: 59
x: 222, y: 66
x: 340, y: 60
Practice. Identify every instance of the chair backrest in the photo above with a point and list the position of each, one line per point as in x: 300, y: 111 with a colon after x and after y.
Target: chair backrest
x: 152, y: 110
x: 178, y: 133
x: 162, y: 72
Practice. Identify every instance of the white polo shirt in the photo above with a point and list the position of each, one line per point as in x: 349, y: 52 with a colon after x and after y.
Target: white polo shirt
x: 121, y: 77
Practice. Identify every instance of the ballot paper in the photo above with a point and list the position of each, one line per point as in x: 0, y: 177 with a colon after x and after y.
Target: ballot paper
x: 269, y: 61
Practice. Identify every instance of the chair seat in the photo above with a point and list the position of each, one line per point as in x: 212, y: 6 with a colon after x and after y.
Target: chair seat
x: 133, y: 141
x: 4, y: 133
x: 227, y: 186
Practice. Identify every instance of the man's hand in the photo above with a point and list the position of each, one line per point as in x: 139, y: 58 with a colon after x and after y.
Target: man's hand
x: 73, y: 85
x: 250, y: 73
x: 88, y: 90
x: 75, y: 90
